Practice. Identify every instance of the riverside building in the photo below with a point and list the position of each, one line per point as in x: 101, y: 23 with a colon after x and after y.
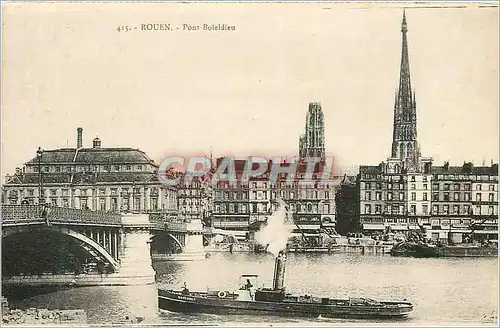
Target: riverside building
x: 95, y: 178
x: 407, y: 192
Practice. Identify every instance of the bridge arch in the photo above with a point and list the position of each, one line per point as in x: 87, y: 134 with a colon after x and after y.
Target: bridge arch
x: 176, y: 240
x: 71, y: 233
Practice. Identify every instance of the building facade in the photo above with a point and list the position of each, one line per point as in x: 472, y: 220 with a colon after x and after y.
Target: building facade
x: 312, y: 202
x: 407, y: 192
x: 96, y: 178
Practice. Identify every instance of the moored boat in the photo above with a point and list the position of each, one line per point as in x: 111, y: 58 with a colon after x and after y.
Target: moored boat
x: 276, y: 301
x: 424, y: 250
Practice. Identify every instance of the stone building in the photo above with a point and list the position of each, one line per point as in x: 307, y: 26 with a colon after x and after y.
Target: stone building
x: 97, y: 178
x: 312, y: 142
x: 195, y: 200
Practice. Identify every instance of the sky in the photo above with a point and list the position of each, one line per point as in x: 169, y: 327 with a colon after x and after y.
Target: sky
x: 246, y: 92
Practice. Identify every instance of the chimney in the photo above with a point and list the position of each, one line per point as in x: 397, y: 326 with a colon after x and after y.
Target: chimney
x: 96, y: 143
x: 279, y: 272
x: 79, y: 138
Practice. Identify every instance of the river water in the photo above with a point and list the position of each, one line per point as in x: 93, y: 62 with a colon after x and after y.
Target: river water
x: 449, y: 291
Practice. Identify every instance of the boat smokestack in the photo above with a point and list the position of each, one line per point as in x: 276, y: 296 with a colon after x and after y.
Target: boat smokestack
x: 279, y: 271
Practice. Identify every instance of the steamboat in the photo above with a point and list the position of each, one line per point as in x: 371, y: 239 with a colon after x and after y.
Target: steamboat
x: 276, y: 301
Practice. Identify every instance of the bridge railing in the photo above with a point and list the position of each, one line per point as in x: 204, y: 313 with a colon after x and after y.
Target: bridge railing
x: 24, y: 213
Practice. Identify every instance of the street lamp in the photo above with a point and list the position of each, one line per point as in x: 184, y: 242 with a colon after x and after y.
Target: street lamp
x: 39, y: 153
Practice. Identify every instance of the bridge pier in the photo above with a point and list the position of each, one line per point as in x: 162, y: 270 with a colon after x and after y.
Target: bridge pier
x: 189, y: 236
x: 135, y: 266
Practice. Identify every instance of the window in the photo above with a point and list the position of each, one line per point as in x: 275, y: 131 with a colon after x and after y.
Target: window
x: 389, y: 208
x: 413, y: 185
x: 434, y: 209
x: 413, y: 196
x: 401, y: 196
x: 389, y: 196
x: 455, y: 209
x: 83, y: 203
x: 478, y: 210
x: 424, y: 196
x: 466, y: 209
x: 478, y: 197
x: 102, y: 204
x: 467, y: 196
x: 413, y: 209
x: 492, y: 187
x: 367, y: 195
x: 425, y: 208
x: 53, y: 192
x: 424, y: 179
x: 117, y: 167
x: 446, y: 209
x: 389, y: 186
x: 401, y: 209
x: 379, y: 185
x: 413, y: 178
x: 456, y: 196
x: 378, y: 195
x: 446, y: 196
x: 368, y: 209
x: 478, y: 187
x: 31, y: 192
x: 425, y: 186
x: 435, y: 186
x: 58, y: 169
x: 378, y: 209
x: 466, y: 186
x: 491, y: 197
x: 446, y: 186
x: 490, y: 210
x: 139, y: 167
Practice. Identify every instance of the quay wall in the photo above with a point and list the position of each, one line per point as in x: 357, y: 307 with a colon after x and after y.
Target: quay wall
x: 113, y: 279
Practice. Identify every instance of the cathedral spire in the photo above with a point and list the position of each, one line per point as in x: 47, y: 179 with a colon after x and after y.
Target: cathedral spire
x: 404, y: 143
x: 404, y: 77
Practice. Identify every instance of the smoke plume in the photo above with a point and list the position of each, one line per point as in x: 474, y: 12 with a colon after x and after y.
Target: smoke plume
x: 275, y: 233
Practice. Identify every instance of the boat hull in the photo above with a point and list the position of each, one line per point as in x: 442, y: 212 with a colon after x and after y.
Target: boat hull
x: 173, y: 301
x: 425, y: 251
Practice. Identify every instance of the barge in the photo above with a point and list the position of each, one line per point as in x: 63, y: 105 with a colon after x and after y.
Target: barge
x: 276, y: 301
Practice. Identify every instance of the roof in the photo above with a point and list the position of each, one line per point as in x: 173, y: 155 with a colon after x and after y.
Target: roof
x: 93, y: 156
x: 85, y: 178
x: 370, y: 169
x: 475, y: 170
x: 239, y: 166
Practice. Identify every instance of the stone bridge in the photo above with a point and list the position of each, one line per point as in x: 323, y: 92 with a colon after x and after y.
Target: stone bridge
x: 116, y: 245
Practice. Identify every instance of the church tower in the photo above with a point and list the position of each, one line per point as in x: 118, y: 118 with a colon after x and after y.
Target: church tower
x: 312, y: 142
x: 404, y: 141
